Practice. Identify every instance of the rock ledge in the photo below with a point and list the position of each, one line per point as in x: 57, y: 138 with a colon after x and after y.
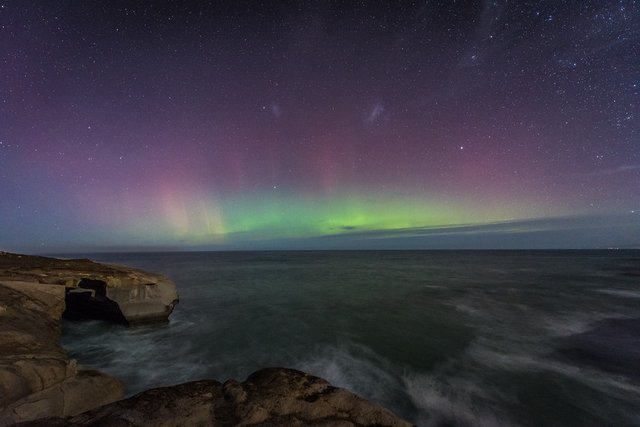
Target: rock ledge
x: 94, y: 290
x: 37, y: 378
x: 269, y: 397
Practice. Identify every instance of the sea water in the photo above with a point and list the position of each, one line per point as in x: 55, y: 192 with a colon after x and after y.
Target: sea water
x: 456, y: 338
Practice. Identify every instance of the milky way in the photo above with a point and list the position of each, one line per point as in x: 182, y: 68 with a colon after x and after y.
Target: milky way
x: 187, y: 124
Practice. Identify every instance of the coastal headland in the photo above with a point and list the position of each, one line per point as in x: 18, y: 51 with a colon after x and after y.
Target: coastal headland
x: 40, y: 385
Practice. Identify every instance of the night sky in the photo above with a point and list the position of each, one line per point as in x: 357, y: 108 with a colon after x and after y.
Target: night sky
x: 148, y: 125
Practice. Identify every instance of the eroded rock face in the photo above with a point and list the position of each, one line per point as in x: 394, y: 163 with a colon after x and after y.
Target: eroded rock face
x: 37, y: 378
x: 269, y: 397
x: 97, y: 291
x: 278, y: 396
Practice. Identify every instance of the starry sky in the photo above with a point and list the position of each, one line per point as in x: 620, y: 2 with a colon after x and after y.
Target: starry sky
x: 321, y: 124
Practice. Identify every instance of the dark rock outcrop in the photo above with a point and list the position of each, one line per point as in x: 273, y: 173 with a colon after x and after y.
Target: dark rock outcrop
x: 37, y: 378
x: 269, y: 397
x: 95, y: 290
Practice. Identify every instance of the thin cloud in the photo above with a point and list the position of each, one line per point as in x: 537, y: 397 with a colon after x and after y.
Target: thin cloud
x: 375, y: 112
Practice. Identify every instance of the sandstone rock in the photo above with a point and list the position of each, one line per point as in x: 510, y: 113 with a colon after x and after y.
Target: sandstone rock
x: 30, y: 359
x: 279, y: 396
x: 94, y: 290
x: 36, y: 376
x: 86, y: 390
x: 269, y: 397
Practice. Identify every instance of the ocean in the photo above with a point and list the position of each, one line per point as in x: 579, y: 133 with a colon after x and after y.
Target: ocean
x: 441, y: 338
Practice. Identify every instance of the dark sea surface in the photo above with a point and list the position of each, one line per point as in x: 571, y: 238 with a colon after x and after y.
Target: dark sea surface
x: 455, y: 338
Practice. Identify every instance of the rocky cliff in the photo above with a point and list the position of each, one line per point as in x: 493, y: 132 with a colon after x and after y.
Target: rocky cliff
x: 94, y: 290
x: 269, y: 397
x: 41, y: 386
x: 37, y: 378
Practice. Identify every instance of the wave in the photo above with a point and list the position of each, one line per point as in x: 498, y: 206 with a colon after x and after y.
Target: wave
x: 143, y: 357
x: 559, y: 325
x: 356, y: 368
x: 613, y: 385
x: 441, y: 403
x: 625, y: 293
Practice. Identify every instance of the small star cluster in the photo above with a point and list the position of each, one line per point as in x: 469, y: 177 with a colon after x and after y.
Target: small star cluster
x: 179, y: 123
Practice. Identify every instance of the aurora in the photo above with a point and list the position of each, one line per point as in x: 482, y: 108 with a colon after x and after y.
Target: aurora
x: 197, y: 126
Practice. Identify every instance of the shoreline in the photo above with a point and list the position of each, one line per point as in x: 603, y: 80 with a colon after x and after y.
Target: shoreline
x: 41, y: 385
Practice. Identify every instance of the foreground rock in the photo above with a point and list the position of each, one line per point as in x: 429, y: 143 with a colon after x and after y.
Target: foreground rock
x: 37, y: 378
x: 269, y: 397
x: 94, y: 290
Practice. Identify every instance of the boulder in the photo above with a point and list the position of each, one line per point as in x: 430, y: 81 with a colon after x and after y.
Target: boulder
x: 94, y: 290
x: 269, y: 397
x: 279, y: 396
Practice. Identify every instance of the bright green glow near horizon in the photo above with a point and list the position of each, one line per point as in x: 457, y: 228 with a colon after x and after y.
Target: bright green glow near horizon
x: 295, y: 218
x: 202, y: 220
